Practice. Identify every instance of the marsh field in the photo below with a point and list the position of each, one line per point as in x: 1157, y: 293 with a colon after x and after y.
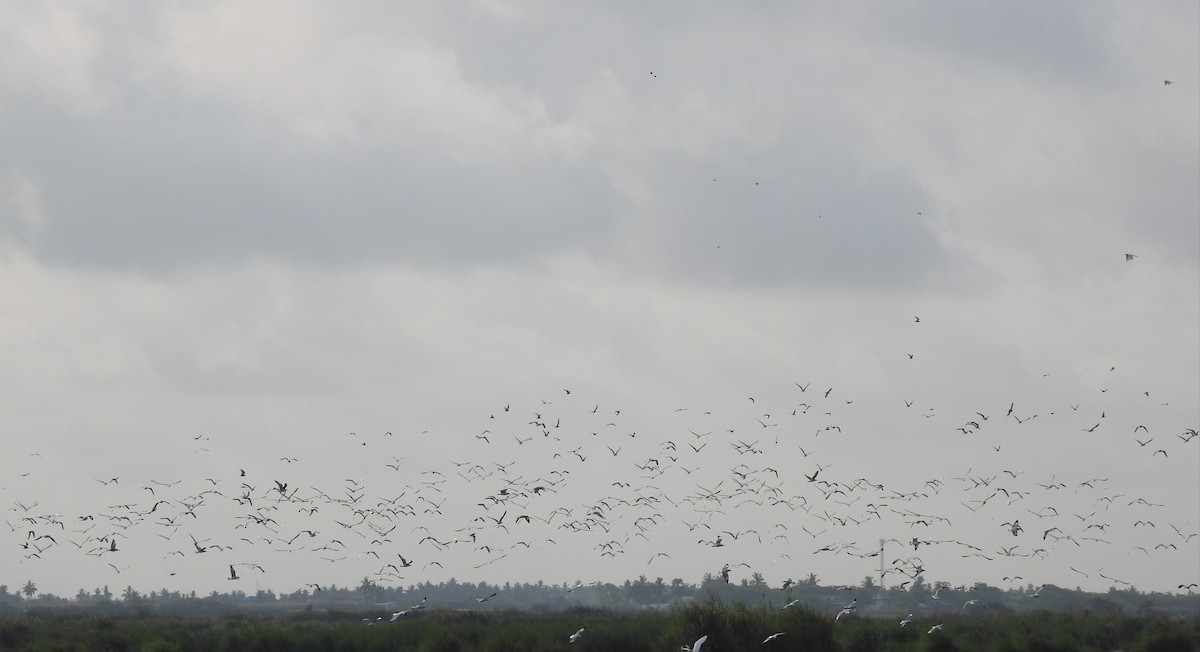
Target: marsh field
x: 728, y: 629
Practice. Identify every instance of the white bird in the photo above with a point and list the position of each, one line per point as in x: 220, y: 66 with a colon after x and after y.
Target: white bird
x: 906, y: 621
x: 694, y: 647
x: 843, y: 612
x: 576, y: 636
x: 397, y: 615
x: 969, y: 603
x: 773, y: 637
x: 790, y: 604
x: 935, y: 628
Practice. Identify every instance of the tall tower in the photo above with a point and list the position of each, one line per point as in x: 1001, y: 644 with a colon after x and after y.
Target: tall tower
x: 881, y: 592
x: 882, y: 567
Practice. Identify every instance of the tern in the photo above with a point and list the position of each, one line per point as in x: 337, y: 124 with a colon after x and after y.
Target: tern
x: 773, y: 637
x: 694, y: 647
x: 576, y: 636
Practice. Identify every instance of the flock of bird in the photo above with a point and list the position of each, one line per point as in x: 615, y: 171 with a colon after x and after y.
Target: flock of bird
x: 775, y: 486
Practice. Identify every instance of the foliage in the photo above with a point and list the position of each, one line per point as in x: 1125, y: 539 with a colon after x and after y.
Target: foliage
x: 729, y: 628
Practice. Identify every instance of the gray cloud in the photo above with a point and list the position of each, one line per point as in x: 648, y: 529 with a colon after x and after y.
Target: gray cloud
x: 274, y: 224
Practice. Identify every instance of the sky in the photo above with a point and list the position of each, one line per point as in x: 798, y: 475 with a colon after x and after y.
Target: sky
x: 548, y: 291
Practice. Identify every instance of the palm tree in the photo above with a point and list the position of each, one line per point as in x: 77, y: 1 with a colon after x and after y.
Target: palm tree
x: 29, y: 589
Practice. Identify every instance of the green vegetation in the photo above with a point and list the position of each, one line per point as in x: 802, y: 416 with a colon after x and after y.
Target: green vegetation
x: 729, y: 628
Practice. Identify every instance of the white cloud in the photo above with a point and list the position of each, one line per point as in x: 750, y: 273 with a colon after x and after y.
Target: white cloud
x: 21, y: 209
x: 49, y: 51
x: 310, y: 68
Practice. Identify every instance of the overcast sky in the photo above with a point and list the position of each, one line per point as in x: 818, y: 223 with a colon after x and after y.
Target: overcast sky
x: 353, y: 235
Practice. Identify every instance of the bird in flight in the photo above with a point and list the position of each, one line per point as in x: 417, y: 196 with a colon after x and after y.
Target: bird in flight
x: 1129, y: 257
x: 576, y: 636
x: 694, y: 647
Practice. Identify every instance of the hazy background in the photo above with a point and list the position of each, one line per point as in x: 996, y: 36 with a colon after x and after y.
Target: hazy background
x: 232, y: 232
